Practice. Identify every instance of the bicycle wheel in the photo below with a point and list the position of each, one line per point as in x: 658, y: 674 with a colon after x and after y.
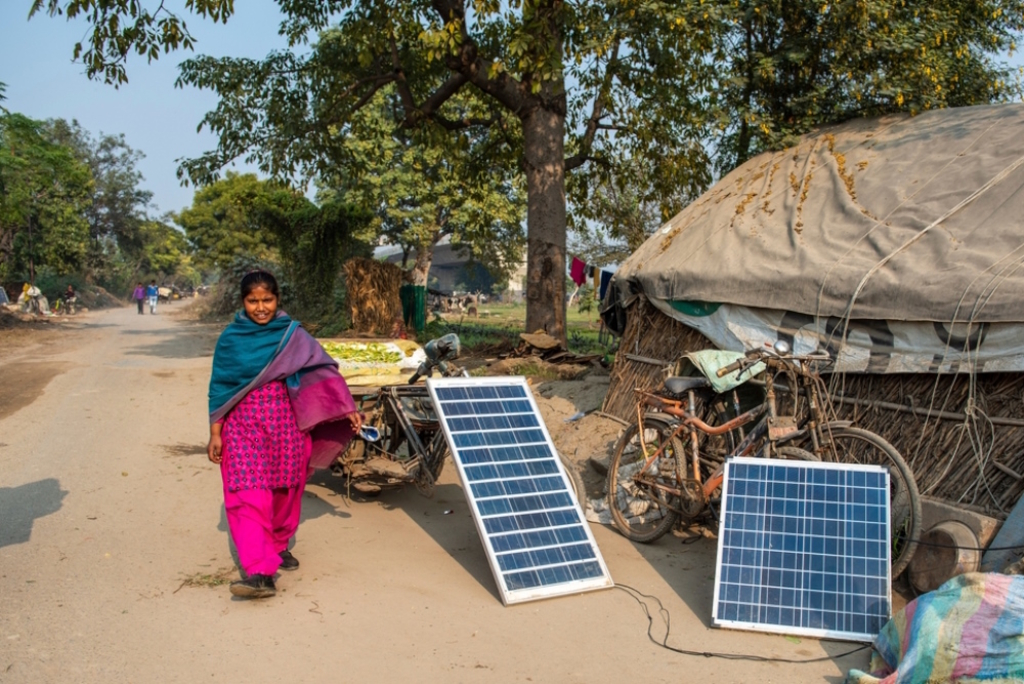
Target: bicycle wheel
x: 791, y: 453
x: 639, y: 509
x: 430, y: 469
x: 854, y: 445
x: 575, y: 481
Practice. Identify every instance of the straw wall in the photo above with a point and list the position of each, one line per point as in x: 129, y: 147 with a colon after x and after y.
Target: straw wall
x: 373, y: 299
x: 963, y: 436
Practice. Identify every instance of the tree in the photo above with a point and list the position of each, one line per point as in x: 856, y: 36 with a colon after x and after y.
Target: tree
x: 164, y: 250
x: 221, y: 224
x: 313, y: 242
x: 797, y: 64
x: 243, y: 217
x: 423, y: 190
x: 519, y: 58
x: 672, y: 83
x: 44, y: 192
x: 119, y: 203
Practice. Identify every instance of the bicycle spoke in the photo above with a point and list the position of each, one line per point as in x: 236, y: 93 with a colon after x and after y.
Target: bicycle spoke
x: 637, y: 498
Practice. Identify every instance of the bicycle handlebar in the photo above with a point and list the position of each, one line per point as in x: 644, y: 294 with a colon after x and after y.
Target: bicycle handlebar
x: 725, y: 370
x: 754, y: 356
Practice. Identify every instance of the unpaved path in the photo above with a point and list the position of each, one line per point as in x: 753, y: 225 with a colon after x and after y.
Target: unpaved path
x: 113, y: 541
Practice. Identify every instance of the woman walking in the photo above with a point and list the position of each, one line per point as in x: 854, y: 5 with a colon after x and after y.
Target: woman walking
x: 278, y: 407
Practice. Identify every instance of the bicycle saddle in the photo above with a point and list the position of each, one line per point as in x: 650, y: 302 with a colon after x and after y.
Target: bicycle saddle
x: 680, y: 385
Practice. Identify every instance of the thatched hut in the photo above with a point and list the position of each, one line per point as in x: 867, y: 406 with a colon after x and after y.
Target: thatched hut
x: 895, y: 243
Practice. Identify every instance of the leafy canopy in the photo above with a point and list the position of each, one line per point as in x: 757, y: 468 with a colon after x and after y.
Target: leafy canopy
x: 45, y: 191
x: 424, y: 187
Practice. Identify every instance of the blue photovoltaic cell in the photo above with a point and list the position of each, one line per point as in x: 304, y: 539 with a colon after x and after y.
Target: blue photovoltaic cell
x: 804, y: 548
x: 533, y: 529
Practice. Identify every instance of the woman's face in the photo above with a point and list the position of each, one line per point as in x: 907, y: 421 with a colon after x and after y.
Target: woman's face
x: 260, y: 305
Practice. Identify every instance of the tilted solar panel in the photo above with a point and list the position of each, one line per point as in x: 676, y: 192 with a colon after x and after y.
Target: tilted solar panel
x: 803, y: 548
x: 537, y: 540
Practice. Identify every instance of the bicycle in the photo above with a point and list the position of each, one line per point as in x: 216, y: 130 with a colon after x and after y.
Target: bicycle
x: 646, y: 504
x: 408, y: 445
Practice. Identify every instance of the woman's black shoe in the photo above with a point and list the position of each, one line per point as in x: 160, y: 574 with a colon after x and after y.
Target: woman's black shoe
x: 254, y: 586
x: 288, y: 561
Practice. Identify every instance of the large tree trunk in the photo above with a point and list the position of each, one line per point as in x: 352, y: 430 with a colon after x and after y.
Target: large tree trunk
x: 544, y: 157
x: 420, y: 271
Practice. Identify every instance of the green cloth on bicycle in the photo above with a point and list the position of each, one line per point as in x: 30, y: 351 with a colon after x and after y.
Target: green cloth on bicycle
x: 709, y: 361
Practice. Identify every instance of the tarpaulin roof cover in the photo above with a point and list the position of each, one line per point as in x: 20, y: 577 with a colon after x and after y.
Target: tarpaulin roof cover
x: 897, y: 218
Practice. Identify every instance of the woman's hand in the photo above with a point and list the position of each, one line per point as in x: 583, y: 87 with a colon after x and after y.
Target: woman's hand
x: 355, y: 419
x: 213, y: 449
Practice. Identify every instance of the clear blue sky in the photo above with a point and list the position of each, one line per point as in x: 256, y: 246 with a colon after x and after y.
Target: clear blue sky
x: 155, y: 117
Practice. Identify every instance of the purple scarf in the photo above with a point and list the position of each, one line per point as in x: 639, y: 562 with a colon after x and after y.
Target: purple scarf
x: 319, y: 395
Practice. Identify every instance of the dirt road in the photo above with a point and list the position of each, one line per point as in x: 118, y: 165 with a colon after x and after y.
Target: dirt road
x: 113, y: 554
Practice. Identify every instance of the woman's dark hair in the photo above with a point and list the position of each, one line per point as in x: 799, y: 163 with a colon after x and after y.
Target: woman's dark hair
x: 255, y: 279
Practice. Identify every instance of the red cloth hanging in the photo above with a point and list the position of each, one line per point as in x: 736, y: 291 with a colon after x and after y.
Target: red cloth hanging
x: 578, y: 271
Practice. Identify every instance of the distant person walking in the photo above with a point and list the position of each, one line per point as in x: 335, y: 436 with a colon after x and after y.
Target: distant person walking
x: 152, y: 292
x: 278, y: 406
x: 139, y: 296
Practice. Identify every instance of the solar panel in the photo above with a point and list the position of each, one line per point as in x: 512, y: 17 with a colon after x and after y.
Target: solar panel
x: 803, y: 548
x: 537, y: 540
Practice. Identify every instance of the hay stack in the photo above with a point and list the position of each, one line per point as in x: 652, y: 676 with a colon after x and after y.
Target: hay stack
x: 963, y: 449
x: 650, y: 342
x: 373, y: 298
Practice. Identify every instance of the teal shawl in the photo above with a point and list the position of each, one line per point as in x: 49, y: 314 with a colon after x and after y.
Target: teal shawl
x: 243, y: 351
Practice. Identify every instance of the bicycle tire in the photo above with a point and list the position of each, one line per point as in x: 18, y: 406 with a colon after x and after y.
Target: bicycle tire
x: 579, y: 490
x: 791, y: 453
x: 637, y: 513
x: 856, y: 445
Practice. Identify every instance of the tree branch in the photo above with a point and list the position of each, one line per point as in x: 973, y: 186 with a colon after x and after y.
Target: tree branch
x: 579, y: 159
x: 598, y: 113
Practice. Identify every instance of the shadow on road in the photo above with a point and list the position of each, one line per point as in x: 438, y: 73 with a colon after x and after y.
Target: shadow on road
x: 21, y: 506
x: 180, y: 342
x: 688, y: 566
x: 445, y: 517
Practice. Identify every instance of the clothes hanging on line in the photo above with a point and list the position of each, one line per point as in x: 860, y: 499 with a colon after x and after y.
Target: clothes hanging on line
x: 606, y: 277
x: 578, y: 271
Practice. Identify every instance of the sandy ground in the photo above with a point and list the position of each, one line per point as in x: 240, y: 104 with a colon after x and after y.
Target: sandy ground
x: 114, y: 554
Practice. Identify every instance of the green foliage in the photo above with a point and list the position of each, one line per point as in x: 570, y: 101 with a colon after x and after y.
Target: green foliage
x: 425, y: 187
x: 243, y: 217
x: 586, y: 299
x: 786, y: 67
x: 126, y: 26
x: 643, y: 102
x: 222, y: 224
x: 475, y: 336
x: 44, y: 192
x: 314, y: 241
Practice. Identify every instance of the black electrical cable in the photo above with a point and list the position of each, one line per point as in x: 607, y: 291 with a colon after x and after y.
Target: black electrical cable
x: 1018, y: 547
x: 636, y: 593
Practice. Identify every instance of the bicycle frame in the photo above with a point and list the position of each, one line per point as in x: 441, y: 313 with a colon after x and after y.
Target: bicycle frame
x: 768, y: 425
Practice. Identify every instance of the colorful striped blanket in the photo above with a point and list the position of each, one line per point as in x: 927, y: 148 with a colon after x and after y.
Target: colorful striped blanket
x: 971, y: 629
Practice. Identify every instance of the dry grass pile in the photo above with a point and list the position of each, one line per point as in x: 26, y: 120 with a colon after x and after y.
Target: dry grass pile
x: 95, y: 297
x: 963, y: 437
x: 650, y: 342
x: 373, y: 298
